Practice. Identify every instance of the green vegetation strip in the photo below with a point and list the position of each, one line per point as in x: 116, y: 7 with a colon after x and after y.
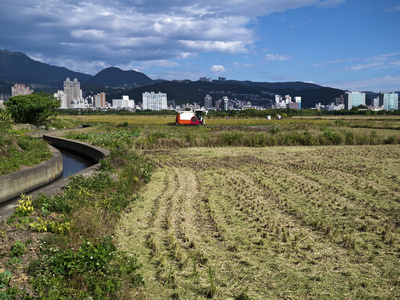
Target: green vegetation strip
x: 287, y: 132
x: 73, y: 253
x: 18, y: 150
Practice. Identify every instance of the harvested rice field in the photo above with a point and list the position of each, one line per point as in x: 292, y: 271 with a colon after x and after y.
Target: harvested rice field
x: 268, y: 223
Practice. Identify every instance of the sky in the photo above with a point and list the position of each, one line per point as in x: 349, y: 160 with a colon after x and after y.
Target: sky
x: 347, y: 44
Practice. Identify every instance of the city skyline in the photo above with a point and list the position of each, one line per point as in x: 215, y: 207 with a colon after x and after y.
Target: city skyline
x: 351, y: 45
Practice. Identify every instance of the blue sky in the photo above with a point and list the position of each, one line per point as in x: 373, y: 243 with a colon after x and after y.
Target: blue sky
x: 347, y: 44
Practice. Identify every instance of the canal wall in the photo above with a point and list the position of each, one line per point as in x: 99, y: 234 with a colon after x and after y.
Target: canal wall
x: 92, y: 153
x: 23, y: 181
x: 38, y: 177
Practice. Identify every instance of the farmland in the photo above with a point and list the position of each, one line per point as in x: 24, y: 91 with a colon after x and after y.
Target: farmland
x: 267, y: 223
x: 317, y: 221
x: 299, y: 208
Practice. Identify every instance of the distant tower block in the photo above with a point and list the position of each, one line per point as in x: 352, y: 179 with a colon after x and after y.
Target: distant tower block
x: 72, y: 90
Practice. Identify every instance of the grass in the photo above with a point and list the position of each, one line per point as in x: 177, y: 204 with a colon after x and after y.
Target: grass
x: 75, y: 254
x: 18, y: 150
x: 148, y: 132
x: 231, y: 222
x: 269, y: 223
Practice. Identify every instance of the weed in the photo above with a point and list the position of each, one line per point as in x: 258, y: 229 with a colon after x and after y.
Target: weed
x: 24, y: 207
x: 85, y: 270
x: 13, y: 261
x: 5, y: 278
x: 212, y: 289
x: 18, y: 249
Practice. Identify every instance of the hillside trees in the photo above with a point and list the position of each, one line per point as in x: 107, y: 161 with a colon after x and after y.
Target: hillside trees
x: 36, y: 108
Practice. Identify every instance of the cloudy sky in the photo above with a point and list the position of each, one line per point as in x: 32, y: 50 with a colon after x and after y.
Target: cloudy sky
x: 348, y: 44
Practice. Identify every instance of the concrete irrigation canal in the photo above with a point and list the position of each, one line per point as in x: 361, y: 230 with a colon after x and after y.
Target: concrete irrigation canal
x: 68, y: 158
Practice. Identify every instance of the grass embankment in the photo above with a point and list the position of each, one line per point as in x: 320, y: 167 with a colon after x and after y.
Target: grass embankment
x: 18, y: 150
x: 269, y: 223
x: 62, y: 247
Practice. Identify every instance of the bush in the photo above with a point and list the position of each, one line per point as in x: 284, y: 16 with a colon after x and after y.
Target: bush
x: 36, y: 108
x: 96, y: 270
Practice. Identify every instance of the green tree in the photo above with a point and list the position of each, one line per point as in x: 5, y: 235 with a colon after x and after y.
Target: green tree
x: 35, y: 108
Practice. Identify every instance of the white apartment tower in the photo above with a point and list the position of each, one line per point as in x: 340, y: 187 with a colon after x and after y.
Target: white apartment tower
x: 63, y: 98
x: 207, y: 102
x: 353, y: 99
x: 124, y: 103
x: 297, y: 99
x: 72, y: 90
x: 154, y: 101
x: 389, y: 101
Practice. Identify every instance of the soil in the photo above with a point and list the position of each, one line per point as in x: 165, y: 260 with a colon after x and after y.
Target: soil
x: 9, y: 235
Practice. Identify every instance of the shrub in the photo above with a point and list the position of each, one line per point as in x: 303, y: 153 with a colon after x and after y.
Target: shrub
x: 96, y: 270
x: 35, y: 108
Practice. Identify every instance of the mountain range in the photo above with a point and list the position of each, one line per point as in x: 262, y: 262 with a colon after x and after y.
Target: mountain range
x: 16, y: 67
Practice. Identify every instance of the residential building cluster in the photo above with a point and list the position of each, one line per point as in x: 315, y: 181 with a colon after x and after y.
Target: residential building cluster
x: 287, y: 102
x: 224, y: 104
x: 385, y: 101
x: 71, y: 97
x: 20, y: 89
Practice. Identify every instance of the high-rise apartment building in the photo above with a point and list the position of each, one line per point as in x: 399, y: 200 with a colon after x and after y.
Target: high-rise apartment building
x: 375, y: 102
x: 124, y: 103
x: 72, y: 90
x: 63, y: 98
x: 297, y: 99
x: 208, y: 102
x: 353, y: 99
x: 20, y: 89
x: 225, y: 100
x: 154, y: 101
x: 99, y: 100
x: 389, y: 101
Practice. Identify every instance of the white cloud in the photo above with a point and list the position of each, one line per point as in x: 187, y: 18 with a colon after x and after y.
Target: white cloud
x: 217, y: 69
x: 391, y: 83
x: 365, y: 66
x: 242, y: 65
x: 375, y: 62
x: 212, y: 46
x: 119, y: 31
x: 393, y: 9
x: 277, y: 57
x: 336, y: 61
x: 330, y: 3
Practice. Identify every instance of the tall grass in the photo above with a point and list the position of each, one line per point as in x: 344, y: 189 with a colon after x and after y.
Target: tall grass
x: 18, y: 150
x: 79, y: 259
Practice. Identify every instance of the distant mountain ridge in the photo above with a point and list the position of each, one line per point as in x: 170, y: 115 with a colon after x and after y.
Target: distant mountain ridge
x: 294, y: 85
x: 195, y: 91
x: 16, y: 67
x: 19, y: 68
x: 116, y: 77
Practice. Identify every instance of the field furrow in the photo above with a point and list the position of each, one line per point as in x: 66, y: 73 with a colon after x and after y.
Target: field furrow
x: 268, y: 224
